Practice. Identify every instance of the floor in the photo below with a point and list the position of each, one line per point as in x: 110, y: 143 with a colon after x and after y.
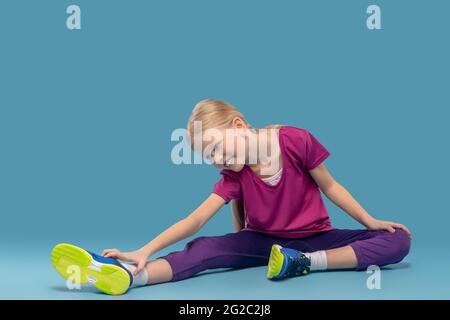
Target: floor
x: 414, y: 278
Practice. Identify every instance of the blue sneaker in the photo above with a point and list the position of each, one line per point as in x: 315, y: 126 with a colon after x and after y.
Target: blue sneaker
x: 286, y: 262
x: 106, y: 274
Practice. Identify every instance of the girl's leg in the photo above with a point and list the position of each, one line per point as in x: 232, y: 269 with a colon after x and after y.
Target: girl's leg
x: 345, y: 249
x: 341, y: 258
x: 234, y: 250
x: 158, y: 271
x: 357, y: 249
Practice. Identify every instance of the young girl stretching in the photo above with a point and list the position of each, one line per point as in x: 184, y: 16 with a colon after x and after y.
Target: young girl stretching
x: 280, y: 219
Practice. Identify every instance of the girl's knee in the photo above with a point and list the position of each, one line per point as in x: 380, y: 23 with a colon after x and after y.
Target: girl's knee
x: 401, y: 244
x: 195, y: 241
x: 210, y: 246
x: 383, y: 248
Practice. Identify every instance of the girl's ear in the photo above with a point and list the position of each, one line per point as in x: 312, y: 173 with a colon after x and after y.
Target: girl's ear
x: 238, y: 123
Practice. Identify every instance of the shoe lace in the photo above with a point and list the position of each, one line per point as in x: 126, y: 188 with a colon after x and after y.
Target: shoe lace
x: 297, y: 266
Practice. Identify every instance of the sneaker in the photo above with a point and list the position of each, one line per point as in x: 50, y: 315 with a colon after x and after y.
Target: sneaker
x: 106, y: 274
x: 286, y: 262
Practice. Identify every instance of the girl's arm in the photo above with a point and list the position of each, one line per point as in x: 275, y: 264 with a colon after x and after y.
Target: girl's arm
x: 178, y: 231
x: 344, y: 200
x: 187, y: 226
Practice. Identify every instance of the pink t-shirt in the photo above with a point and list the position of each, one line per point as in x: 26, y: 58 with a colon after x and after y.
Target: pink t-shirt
x: 293, y: 208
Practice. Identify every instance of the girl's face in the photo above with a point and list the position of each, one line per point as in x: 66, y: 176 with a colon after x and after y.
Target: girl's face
x: 228, y: 149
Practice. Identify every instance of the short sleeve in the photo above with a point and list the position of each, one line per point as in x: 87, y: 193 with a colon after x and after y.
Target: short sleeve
x: 228, y: 187
x: 313, y: 152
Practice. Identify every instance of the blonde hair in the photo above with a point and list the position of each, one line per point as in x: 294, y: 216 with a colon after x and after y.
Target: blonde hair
x: 214, y: 113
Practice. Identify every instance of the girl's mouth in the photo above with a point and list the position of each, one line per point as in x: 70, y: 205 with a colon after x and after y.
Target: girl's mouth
x: 228, y: 163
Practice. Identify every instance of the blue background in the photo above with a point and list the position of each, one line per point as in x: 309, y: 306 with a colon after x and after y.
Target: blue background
x: 86, y: 118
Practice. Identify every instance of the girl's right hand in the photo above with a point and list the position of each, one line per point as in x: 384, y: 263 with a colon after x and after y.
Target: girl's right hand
x: 138, y: 256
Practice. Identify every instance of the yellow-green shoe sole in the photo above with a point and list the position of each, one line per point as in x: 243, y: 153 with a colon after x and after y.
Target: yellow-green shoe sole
x: 110, y: 279
x: 275, y: 262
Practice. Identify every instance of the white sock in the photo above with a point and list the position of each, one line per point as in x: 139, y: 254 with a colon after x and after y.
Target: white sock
x: 318, y: 260
x: 138, y: 280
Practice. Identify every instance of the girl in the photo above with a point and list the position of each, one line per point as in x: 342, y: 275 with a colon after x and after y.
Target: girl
x: 280, y: 219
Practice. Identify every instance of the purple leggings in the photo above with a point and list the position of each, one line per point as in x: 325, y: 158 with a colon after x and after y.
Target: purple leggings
x: 250, y: 249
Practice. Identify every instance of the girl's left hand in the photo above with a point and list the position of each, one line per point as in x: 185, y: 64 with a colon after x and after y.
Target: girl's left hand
x: 387, y: 225
x: 138, y: 256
